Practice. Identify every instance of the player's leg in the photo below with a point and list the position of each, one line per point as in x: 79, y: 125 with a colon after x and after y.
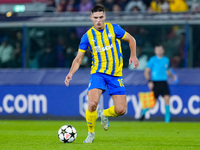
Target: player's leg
x: 118, y: 93
x: 118, y: 109
x: 91, y: 113
x: 167, y: 108
x: 120, y: 105
x: 95, y: 89
x: 166, y: 95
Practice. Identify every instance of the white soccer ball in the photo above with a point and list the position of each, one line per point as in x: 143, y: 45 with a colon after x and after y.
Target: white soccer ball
x: 67, y: 134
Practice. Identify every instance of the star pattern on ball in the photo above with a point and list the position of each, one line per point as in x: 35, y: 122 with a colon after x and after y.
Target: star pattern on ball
x: 63, y: 131
x: 73, y: 134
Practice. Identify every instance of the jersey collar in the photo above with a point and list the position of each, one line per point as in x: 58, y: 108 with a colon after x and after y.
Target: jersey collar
x: 102, y: 30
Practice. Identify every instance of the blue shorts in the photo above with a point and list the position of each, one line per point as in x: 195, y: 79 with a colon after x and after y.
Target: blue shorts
x: 114, y: 84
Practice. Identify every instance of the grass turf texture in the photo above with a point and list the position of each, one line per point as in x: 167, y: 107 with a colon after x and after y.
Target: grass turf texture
x: 42, y: 135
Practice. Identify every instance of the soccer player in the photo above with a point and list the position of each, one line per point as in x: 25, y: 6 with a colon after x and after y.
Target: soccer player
x: 103, y: 40
x: 156, y: 74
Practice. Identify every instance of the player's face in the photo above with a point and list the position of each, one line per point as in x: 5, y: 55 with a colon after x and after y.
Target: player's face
x: 98, y: 19
x: 159, y: 51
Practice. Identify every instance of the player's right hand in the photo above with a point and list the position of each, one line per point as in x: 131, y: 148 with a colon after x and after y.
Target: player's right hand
x: 135, y: 62
x: 68, y: 79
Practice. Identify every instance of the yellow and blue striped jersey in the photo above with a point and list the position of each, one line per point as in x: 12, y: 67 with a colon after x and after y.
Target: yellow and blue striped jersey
x: 105, y: 46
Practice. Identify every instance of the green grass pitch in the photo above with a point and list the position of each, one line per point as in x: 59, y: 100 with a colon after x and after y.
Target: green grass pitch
x: 122, y: 135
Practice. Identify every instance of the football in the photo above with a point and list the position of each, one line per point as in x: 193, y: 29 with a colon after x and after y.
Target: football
x: 67, y: 134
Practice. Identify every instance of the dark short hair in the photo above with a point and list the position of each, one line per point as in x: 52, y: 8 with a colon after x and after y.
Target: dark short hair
x: 98, y: 8
x: 158, y: 43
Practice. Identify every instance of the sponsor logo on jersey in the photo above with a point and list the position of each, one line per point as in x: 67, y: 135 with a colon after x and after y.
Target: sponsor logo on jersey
x: 99, y: 49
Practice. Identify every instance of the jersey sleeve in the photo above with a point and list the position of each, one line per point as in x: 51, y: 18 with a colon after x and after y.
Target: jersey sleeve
x: 83, y: 46
x: 168, y: 63
x: 149, y: 63
x: 119, y: 32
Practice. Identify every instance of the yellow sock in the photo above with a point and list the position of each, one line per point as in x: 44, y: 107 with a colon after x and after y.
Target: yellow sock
x: 91, y: 118
x: 110, y: 112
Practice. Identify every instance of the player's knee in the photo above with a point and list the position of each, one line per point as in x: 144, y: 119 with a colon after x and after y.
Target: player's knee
x: 92, y: 106
x: 120, y: 111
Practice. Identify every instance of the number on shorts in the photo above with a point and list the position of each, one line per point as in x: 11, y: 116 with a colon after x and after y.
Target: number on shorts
x: 121, y: 82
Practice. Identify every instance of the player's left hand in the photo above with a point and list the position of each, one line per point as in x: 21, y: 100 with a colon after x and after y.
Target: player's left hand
x: 135, y: 62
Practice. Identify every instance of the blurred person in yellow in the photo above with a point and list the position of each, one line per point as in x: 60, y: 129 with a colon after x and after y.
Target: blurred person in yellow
x: 159, y: 6
x: 103, y: 40
x: 168, y: 6
x: 178, y: 6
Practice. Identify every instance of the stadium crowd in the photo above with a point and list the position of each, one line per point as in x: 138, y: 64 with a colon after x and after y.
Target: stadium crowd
x: 49, y: 48
x: 115, y: 5
x: 124, y: 5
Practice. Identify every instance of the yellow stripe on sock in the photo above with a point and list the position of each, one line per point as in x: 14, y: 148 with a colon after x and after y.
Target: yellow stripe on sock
x: 91, y: 118
x: 110, y: 112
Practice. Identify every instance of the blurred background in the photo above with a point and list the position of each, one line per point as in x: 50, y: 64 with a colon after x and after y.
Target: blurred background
x: 39, y: 40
